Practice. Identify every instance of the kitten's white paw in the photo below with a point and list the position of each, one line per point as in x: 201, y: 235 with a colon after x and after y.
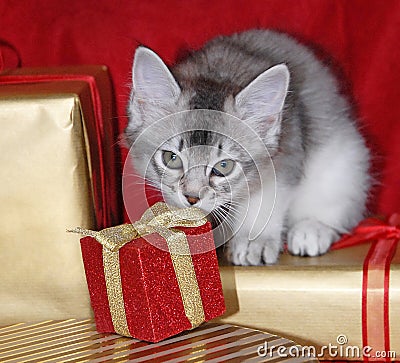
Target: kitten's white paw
x: 237, y: 251
x: 263, y: 252
x: 310, y: 238
x: 254, y: 253
x: 271, y: 253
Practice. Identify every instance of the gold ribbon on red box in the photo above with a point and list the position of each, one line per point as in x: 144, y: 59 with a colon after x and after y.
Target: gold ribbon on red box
x: 376, y: 274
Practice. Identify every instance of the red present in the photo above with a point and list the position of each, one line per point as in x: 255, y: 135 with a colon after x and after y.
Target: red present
x: 153, y: 285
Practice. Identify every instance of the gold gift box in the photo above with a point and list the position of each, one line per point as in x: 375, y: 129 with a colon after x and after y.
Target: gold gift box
x: 311, y: 300
x: 49, y: 151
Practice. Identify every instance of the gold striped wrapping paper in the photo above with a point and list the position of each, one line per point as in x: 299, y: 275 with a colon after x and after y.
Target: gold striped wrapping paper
x: 77, y: 341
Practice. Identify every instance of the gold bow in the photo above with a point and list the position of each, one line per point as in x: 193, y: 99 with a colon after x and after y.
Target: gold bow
x: 160, y: 219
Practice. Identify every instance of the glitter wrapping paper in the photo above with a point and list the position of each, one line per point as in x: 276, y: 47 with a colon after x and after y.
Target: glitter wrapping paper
x: 152, y: 299
x: 58, y: 170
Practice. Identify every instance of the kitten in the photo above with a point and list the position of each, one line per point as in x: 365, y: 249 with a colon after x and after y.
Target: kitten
x: 252, y: 129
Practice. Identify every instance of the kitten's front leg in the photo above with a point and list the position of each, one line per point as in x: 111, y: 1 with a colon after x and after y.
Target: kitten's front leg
x: 264, y: 228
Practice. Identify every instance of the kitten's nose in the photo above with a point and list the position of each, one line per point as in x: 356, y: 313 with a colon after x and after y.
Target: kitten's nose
x: 192, y: 200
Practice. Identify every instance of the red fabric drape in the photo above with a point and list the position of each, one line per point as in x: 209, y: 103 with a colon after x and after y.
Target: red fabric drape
x: 360, y: 37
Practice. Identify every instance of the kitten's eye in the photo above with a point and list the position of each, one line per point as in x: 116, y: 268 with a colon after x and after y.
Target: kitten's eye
x: 171, y: 160
x: 223, y: 167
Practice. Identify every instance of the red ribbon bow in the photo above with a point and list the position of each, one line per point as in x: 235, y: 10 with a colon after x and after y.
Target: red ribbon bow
x: 371, y: 229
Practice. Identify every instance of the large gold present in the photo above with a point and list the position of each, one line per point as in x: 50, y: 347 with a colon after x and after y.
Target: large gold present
x: 348, y: 298
x: 57, y: 157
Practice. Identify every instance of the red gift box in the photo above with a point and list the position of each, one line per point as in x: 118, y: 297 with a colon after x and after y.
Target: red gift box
x: 154, y: 303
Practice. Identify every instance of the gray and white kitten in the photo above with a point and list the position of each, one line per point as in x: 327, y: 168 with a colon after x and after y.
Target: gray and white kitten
x: 252, y: 129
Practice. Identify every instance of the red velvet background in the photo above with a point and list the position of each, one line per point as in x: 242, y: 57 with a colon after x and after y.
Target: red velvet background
x: 359, y: 36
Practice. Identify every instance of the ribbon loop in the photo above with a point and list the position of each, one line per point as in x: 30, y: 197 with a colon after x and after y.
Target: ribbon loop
x: 371, y: 229
x: 157, y: 218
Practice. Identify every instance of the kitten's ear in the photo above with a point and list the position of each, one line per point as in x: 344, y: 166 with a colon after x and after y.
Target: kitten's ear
x: 152, y: 80
x: 154, y: 91
x: 264, y: 97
